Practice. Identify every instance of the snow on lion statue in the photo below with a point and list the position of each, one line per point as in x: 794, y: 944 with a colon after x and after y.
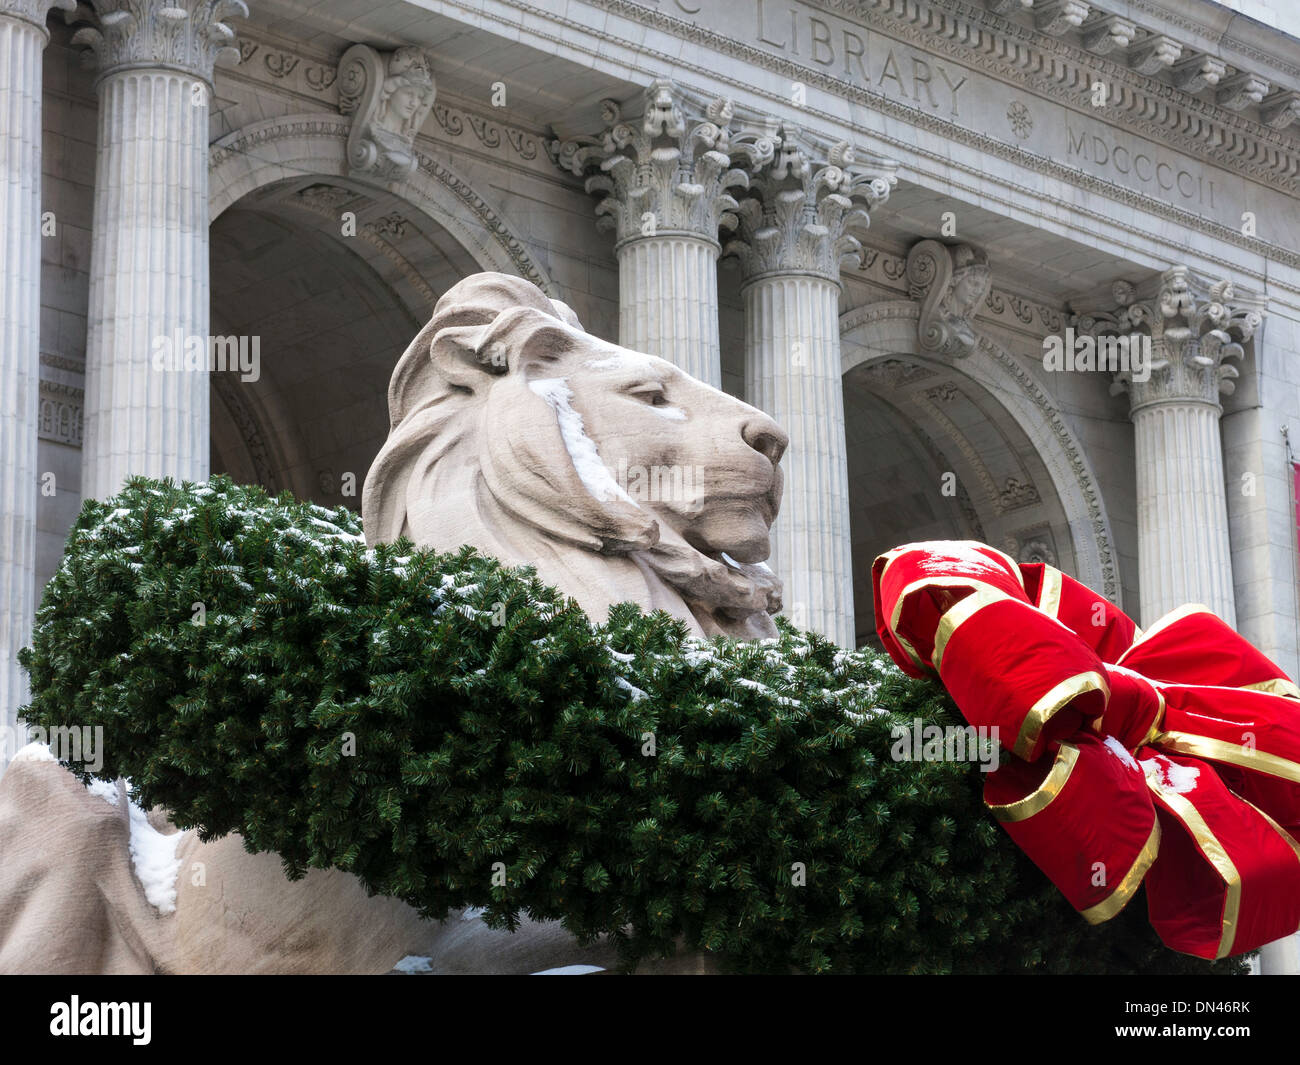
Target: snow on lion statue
x: 613, y: 472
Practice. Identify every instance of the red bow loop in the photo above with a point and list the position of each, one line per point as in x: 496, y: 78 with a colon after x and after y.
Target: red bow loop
x: 1169, y: 758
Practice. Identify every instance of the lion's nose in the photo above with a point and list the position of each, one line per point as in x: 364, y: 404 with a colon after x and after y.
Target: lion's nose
x: 765, y: 437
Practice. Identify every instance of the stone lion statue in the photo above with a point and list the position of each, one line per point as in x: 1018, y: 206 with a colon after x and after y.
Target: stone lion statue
x: 615, y: 474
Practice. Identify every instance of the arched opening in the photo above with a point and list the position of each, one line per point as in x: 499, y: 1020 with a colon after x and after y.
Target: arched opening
x: 328, y: 282
x: 329, y: 278
x: 962, y: 449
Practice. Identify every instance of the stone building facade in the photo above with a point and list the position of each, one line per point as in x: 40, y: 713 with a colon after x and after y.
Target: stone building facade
x: 880, y: 221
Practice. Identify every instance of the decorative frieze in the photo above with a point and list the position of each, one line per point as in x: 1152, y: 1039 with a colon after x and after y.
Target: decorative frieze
x: 60, y: 414
x: 1006, y: 308
x: 951, y: 282
x: 992, y: 41
x: 388, y: 96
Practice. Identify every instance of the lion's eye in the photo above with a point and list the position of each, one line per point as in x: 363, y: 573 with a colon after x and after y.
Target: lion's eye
x: 652, y: 394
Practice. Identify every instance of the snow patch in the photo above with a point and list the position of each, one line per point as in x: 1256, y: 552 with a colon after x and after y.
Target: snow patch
x: 103, y: 789
x: 414, y: 963
x: 633, y: 691
x: 571, y: 970
x: 1171, y: 776
x: 34, y: 752
x: 673, y: 414
x: 595, y: 476
x: 1121, y: 752
x: 154, y: 857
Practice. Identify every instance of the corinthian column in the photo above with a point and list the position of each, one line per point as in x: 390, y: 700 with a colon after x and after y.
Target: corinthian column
x: 147, y: 344
x: 22, y: 44
x: 1195, y: 328
x: 793, y: 230
x: 665, y: 182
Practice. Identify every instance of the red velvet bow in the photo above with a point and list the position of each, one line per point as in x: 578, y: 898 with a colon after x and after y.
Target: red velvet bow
x: 1170, y: 756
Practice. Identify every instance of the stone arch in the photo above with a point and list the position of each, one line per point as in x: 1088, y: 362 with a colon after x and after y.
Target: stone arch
x: 879, y: 332
x: 295, y: 146
x: 286, y: 169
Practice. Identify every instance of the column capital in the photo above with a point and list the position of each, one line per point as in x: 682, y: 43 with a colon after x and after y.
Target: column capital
x: 951, y: 282
x: 184, y: 35
x: 34, y: 11
x: 668, y: 170
x: 1195, y: 326
x: 804, y: 204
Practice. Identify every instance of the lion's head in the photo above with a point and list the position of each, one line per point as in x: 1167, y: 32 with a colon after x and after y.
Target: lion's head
x: 613, y: 472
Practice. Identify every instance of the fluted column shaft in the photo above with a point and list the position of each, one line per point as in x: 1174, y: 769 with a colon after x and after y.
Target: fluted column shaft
x: 792, y: 372
x: 148, y: 282
x: 668, y: 301
x: 1183, y: 549
x: 22, y: 44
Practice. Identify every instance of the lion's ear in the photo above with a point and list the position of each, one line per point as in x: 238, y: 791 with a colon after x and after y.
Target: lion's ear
x: 467, y: 355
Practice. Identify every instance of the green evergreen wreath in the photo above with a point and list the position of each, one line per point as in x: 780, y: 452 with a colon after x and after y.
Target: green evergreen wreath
x: 416, y: 718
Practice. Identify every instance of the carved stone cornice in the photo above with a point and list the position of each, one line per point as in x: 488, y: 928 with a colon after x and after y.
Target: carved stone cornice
x: 669, y: 170
x: 1055, y: 17
x: 34, y: 11
x: 1197, y: 72
x: 1280, y: 109
x: 1153, y: 53
x: 1241, y: 91
x: 185, y: 35
x: 1104, y: 35
x: 1020, y: 54
x: 803, y: 206
x: 1195, y: 327
x: 388, y: 96
x: 951, y: 281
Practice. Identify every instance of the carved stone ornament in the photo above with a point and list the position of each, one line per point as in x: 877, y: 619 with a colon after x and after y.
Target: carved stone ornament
x: 1195, y: 327
x: 951, y: 281
x: 35, y: 11
x: 804, y: 205
x: 668, y: 171
x: 186, y: 35
x: 615, y: 473
x: 388, y: 95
